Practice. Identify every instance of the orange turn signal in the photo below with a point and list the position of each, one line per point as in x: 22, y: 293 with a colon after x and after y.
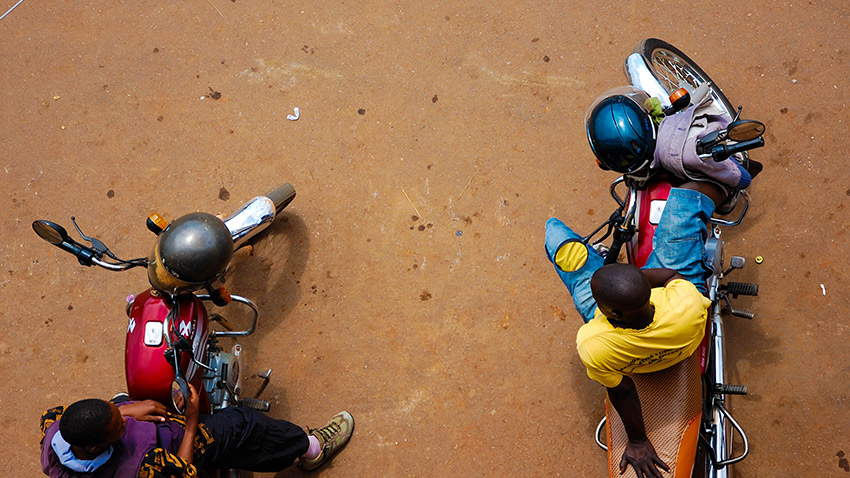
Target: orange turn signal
x: 224, y: 294
x: 674, y: 96
x: 155, y: 221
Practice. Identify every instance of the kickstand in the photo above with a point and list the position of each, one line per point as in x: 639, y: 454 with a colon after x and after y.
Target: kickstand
x: 265, y: 376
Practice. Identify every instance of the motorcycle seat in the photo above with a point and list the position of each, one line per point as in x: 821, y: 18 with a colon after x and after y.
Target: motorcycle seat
x: 671, y: 401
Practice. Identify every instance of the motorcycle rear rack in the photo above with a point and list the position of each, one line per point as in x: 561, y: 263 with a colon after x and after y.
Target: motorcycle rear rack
x: 236, y: 333
x: 704, y: 440
x: 723, y: 414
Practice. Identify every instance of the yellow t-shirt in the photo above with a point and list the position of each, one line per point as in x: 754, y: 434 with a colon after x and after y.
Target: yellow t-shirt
x: 676, y: 331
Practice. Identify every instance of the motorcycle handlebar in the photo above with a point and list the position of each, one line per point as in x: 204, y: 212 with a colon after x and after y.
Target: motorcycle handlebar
x: 87, y: 256
x: 613, y: 252
x: 58, y: 236
x: 81, y: 253
x: 114, y: 267
x: 723, y: 151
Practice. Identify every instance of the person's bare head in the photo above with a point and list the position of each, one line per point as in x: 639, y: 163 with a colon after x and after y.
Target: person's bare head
x: 92, y: 426
x: 621, y: 292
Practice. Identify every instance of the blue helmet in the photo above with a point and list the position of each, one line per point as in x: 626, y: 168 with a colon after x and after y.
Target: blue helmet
x: 621, y: 131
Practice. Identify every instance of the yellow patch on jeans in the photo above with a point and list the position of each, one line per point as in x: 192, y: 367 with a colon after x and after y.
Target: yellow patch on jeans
x: 571, y: 256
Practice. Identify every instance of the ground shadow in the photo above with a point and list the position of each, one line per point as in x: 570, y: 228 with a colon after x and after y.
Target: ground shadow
x: 271, y: 275
x: 590, y: 395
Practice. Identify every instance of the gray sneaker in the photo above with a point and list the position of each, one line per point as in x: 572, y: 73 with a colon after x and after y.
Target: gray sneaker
x: 331, y: 437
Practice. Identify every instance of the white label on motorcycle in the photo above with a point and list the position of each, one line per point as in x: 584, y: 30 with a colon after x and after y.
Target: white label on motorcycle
x: 656, y: 208
x: 153, y: 333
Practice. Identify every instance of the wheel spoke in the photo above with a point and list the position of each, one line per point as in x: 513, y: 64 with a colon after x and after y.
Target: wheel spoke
x: 674, y: 73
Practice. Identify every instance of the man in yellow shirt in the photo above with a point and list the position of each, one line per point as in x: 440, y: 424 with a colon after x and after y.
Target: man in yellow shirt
x: 677, y: 311
x: 640, y: 320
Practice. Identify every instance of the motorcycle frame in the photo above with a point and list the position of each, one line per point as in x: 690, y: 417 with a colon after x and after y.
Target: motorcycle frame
x: 717, y: 421
x: 206, y: 366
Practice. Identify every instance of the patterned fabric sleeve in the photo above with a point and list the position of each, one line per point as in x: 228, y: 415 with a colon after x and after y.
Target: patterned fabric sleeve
x: 48, y: 417
x: 162, y: 464
x: 203, y: 438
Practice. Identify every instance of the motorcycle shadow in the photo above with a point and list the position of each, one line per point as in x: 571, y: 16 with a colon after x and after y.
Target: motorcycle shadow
x: 262, y: 277
x: 269, y: 275
x: 590, y: 397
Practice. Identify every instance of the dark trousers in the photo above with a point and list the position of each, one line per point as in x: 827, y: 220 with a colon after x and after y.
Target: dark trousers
x: 246, y: 439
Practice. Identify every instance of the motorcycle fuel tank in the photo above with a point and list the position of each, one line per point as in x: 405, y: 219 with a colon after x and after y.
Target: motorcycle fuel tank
x: 149, y: 374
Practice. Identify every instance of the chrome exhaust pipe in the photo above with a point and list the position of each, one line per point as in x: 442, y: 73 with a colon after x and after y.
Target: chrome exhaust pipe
x: 250, y: 220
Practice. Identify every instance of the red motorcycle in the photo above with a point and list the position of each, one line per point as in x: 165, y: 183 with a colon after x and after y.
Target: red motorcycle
x: 685, y: 407
x: 170, y: 341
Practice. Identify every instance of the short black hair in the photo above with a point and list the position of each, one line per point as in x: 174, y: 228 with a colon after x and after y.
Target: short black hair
x: 620, y: 286
x: 86, y: 423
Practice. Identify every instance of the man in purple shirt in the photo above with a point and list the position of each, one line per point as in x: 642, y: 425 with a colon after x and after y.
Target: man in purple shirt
x: 96, y: 438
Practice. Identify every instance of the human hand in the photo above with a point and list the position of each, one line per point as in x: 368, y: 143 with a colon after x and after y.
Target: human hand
x: 192, y: 402
x: 192, y: 405
x: 144, y: 411
x: 641, y: 455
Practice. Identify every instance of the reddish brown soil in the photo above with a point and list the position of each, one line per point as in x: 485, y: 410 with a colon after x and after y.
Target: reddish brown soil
x: 407, y: 282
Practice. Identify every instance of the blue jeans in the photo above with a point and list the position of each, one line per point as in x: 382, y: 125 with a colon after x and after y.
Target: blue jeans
x: 679, y: 244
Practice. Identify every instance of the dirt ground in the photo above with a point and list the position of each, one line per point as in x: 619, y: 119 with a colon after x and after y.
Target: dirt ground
x: 407, y: 282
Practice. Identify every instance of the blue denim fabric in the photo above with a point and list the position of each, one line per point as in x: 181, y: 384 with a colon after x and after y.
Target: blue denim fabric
x: 679, y: 241
x: 679, y: 244
x: 577, y: 282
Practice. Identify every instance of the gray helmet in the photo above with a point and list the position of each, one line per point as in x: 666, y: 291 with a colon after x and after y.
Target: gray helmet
x: 190, y: 253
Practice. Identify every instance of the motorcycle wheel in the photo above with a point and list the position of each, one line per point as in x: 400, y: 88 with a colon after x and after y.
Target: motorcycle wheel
x: 674, y: 70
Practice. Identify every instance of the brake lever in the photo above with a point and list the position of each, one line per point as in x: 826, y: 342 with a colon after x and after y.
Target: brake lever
x: 96, y: 244
x: 710, y: 138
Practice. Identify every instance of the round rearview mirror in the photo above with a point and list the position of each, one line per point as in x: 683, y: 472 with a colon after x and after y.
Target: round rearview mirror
x: 745, y: 130
x: 50, y: 231
x: 179, y: 394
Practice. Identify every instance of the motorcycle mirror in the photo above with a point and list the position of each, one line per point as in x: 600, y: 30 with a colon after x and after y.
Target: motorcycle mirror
x: 179, y: 394
x: 50, y: 232
x: 745, y: 130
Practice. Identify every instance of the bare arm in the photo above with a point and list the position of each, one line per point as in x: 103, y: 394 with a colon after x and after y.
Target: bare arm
x: 660, y: 277
x: 187, y: 446
x: 639, y: 451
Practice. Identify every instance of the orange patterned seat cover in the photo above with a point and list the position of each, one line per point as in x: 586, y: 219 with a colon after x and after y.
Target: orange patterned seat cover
x: 671, y: 401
